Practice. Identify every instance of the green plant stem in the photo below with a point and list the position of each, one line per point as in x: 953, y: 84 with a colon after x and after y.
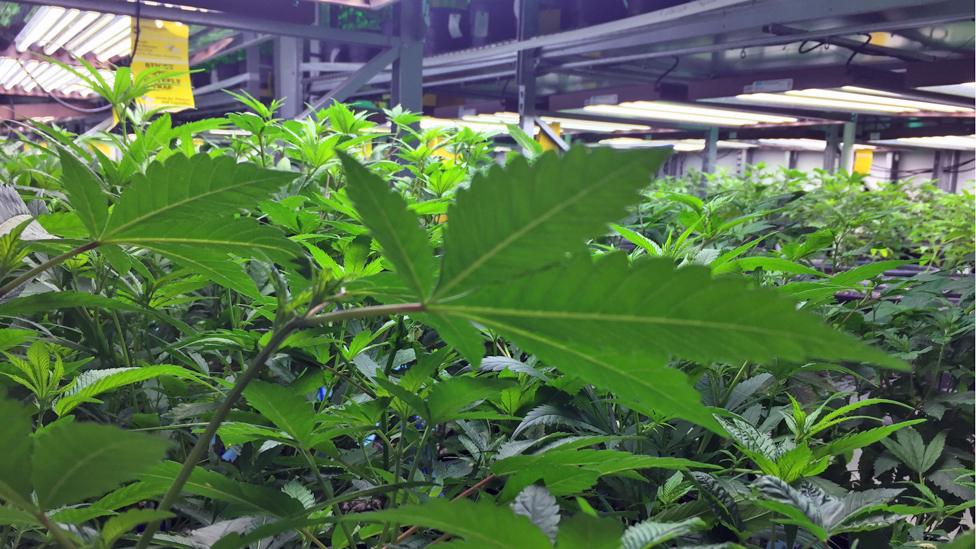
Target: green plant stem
x: 277, y: 338
x: 56, y: 532
x: 53, y: 262
x: 329, y: 493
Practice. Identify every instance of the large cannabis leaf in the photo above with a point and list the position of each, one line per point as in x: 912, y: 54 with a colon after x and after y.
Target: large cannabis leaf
x: 514, y: 264
x: 523, y: 217
x: 187, y: 209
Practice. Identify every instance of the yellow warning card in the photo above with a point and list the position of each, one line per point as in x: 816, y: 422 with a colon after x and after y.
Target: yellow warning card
x: 166, y: 45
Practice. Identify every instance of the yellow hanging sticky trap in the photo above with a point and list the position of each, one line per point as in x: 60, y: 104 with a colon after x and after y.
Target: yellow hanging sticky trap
x: 543, y: 139
x: 863, y: 158
x: 165, y: 45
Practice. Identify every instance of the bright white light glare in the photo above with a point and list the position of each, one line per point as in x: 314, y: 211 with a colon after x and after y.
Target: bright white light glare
x: 42, y: 20
x: 945, y: 142
x: 965, y: 89
x: 77, y: 26
x: 564, y: 123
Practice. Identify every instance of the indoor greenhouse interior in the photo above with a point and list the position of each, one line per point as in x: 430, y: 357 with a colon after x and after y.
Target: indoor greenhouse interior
x: 487, y: 274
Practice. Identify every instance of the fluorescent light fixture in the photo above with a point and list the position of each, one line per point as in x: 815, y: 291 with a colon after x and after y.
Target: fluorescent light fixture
x: 82, y: 37
x: 35, y: 76
x: 429, y: 122
x: 117, y: 48
x: 681, y: 145
x: 879, y: 97
x: 7, y: 67
x: 682, y: 112
x: 851, y: 99
x: 21, y: 75
x: 943, y: 142
x: 42, y: 20
x: 564, y: 123
x: 58, y: 26
x: 105, y: 37
x: 794, y: 100
x: 79, y: 25
x: 805, y: 144
x: 965, y: 89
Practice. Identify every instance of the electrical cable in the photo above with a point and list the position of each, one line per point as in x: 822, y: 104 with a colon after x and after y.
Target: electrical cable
x: 58, y: 100
x: 858, y: 49
x: 673, y: 66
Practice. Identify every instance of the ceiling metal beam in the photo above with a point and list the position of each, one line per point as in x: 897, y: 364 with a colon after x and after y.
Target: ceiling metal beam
x: 354, y: 81
x: 224, y: 20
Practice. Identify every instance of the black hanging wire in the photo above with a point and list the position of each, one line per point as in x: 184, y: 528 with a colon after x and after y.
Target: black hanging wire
x: 859, y: 49
x: 674, y: 65
x: 805, y: 49
x: 96, y: 110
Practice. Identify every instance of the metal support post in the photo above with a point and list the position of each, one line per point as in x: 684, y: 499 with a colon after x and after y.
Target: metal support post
x: 711, y: 151
x: 528, y: 25
x: 252, y: 65
x: 408, y: 79
x: 552, y: 135
x: 954, y: 172
x: 830, y: 151
x: 847, y: 151
x: 287, y: 83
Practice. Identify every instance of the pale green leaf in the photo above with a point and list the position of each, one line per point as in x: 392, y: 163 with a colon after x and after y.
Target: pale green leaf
x: 84, y: 192
x: 396, y: 228
x: 183, y: 189
x: 92, y: 383
x: 520, y: 218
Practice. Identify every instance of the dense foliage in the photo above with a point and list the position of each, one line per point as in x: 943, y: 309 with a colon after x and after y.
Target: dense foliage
x: 321, y: 332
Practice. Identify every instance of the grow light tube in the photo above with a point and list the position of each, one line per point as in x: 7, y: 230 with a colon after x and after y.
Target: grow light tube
x: 80, y: 25
x: 620, y: 111
x: 564, y: 123
x: 39, y: 24
x: 34, y: 77
x: 20, y: 75
x: 109, y: 35
x: 120, y: 47
x: 816, y: 102
x: 84, y: 34
x: 695, y: 110
x: 875, y: 97
x: 7, y: 67
x: 58, y: 26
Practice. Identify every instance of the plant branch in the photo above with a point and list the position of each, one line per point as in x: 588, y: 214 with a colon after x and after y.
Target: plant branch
x: 277, y: 338
x: 56, y: 532
x: 53, y: 262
